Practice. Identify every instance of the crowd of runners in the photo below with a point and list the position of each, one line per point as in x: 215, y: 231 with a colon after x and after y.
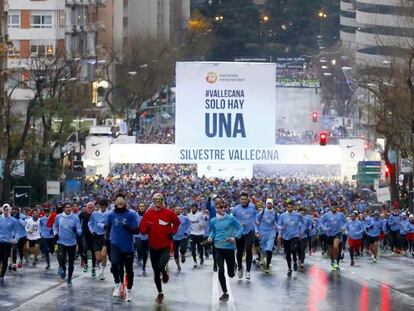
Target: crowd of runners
x: 164, y: 211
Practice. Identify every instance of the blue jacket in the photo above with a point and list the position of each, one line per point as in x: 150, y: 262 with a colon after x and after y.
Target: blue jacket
x: 373, y: 226
x: 67, y: 227
x: 184, y: 228
x: 355, y: 229
x: 306, y: 227
x: 289, y: 225
x: 333, y: 223
x: 410, y: 227
x: 394, y: 222
x: 121, y: 236
x: 403, y: 227
x: 140, y: 236
x: 266, y: 222
x: 97, y: 222
x: 45, y: 231
x: 246, y: 216
x: 21, y: 228
x: 223, y: 228
x: 8, y: 228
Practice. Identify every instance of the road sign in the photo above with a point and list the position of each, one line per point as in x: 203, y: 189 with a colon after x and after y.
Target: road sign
x: 369, y: 163
x: 368, y: 172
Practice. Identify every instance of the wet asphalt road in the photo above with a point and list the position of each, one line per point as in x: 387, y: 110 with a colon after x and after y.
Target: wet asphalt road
x: 387, y: 285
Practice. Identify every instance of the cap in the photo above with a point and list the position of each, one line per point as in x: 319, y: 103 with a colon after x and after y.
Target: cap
x: 269, y: 200
x: 5, y: 205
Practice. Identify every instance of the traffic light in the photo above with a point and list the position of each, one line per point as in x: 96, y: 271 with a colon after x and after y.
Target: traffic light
x: 322, y: 138
x: 314, y: 117
x: 387, y: 172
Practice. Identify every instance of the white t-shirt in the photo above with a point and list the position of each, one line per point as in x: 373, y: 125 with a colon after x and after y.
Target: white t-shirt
x: 197, y: 223
x: 33, y: 229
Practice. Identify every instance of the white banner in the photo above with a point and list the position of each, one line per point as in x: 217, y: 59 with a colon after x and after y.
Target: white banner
x: 212, y: 170
x: 225, y: 105
x: 97, y: 153
x: 52, y: 187
x: 383, y: 194
x: 282, y: 154
x: 352, y: 151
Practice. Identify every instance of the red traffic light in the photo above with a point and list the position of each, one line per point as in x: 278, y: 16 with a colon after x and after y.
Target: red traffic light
x: 322, y: 138
x: 314, y: 117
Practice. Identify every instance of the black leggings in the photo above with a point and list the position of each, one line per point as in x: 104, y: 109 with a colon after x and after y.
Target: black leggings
x: 159, y: 262
x: 119, y: 260
x: 48, y: 246
x: 142, y: 251
x: 19, y: 247
x: 195, y: 241
x: 291, y: 249
x: 302, y: 249
x: 394, y: 239
x: 5, y: 249
x: 87, y: 245
x: 245, y: 243
x: 70, y: 253
x: 180, y: 246
x: 225, y: 255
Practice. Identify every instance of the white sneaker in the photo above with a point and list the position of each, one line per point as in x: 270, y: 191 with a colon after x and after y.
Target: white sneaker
x: 128, y: 295
x: 195, y: 265
x: 117, y: 290
x: 247, y: 275
x: 101, y: 276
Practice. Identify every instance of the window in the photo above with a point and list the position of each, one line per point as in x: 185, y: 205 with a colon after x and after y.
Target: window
x: 41, y: 50
x: 14, y: 20
x: 41, y: 21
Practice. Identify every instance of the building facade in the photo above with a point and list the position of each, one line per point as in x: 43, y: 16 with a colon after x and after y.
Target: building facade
x: 377, y: 31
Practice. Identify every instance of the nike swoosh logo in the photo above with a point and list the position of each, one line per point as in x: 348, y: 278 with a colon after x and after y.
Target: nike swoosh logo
x: 19, y: 195
x: 95, y: 144
x: 350, y: 146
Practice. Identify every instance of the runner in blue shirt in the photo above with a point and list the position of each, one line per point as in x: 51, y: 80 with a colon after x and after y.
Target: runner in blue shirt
x: 245, y: 213
x: 373, y: 227
x: 8, y: 230
x: 180, y: 239
x: 333, y: 222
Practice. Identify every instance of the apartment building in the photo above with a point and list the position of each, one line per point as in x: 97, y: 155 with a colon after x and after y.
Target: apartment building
x: 377, y: 30
x: 51, y: 28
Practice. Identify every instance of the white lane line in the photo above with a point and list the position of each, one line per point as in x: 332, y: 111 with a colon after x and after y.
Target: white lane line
x: 215, y: 294
x: 215, y: 303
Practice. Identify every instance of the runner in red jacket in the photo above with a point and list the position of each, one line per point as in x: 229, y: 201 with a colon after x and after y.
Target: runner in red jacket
x: 160, y: 224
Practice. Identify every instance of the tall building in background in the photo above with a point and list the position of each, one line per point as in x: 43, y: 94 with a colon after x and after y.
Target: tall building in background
x: 51, y: 28
x: 376, y: 31
x: 128, y: 19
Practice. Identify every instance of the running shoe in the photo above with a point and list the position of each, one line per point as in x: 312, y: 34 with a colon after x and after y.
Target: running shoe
x: 224, y: 297
x: 144, y: 272
x: 247, y: 275
x: 179, y: 269
x: 63, y: 274
x: 302, y: 267
x: 117, y: 291
x: 267, y: 271
x: 352, y: 263
x: 215, y: 267
x: 337, y: 266
x: 195, y: 265
x: 85, y: 268
x: 374, y: 260
x: 14, y: 267
x: 165, y: 277
x: 333, y: 268
x: 295, y: 266
x: 182, y: 259
x: 240, y: 273
x: 201, y: 261
x: 289, y: 273
x: 69, y: 282
x: 101, y: 276
x: 128, y: 295
x: 160, y: 298
x: 93, y: 272
x: 47, y: 267
x: 19, y: 265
